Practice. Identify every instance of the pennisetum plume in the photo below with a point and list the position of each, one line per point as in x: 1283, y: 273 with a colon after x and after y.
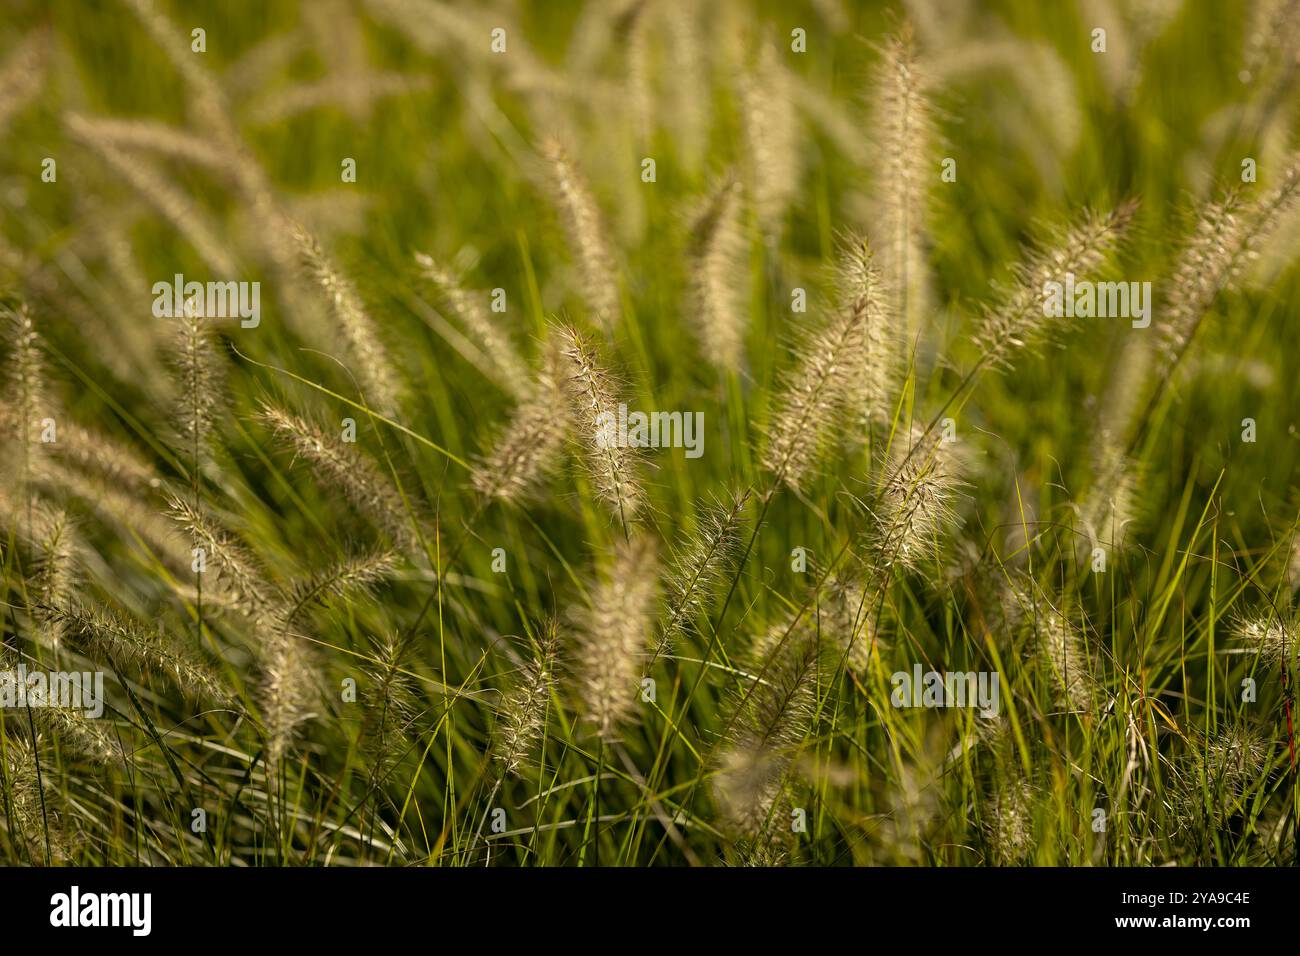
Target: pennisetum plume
x: 915, y: 501
x: 530, y: 445
x: 470, y: 309
x: 716, y: 276
x: 593, y: 407
x: 1227, y: 235
x: 197, y: 372
x: 522, y: 714
x: 587, y: 233
x: 699, y: 565
x: 129, y: 643
x: 340, y: 466
x: 817, y: 394
x: 614, y: 634
x: 1059, y: 650
x: 25, y: 398
x: 771, y: 138
x: 1272, y: 637
x: 289, y: 684
x: 1009, y: 827
x: 1019, y: 323
x: 374, y: 366
x: 858, y: 286
x: 236, y: 571
x: 771, y: 721
x: 903, y: 135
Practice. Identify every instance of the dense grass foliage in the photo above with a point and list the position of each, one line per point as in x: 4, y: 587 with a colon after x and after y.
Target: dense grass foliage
x: 369, y: 583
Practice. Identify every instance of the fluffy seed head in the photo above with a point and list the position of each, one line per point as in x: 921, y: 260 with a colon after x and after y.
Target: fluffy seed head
x: 1019, y: 322
x: 1010, y: 826
x: 816, y: 394
x: 587, y: 233
x: 128, y: 642
x: 1059, y: 650
x: 523, y: 711
x: 699, y: 566
x: 772, y: 138
x: 531, y: 444
x: 470, y: 309
x: 859, y: 288
x: 716, y: 271
x: 374, y: 365
x: 338, y: 465
x: 915, y: 501
x: 1267, y: 635
x: 770, y: 723
x: 903, y: 134
x: 613, y: 636
x: 235, y: 568
x: 593, y: 407
x: 198, y: 383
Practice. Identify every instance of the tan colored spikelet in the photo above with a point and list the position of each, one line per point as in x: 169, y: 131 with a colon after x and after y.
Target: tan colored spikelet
x: 594, y: 410
x: 470, y: 309
x: 197, y: 371
x: 1009, y: 828
x: 587, y: 234
x: 356, y: 574
x: 1215, y: 774
x: 915, y: 505
x: 699, y: 566
x: 170, y: 142
x: 688, y: 49
x: 523, y: 710
x: 770, y: 723
x: 1059, y: 650
x: 22, y: 74
x: 93, y: 453
x: 614, y: 634
x: 903, y: 135
x: 25, y: 395
x: 529, y: 447
x: 290, y: 683
x: 1019, y: 323
x: 1206, y: 264
x: 374, y: 366
x: 235, y: 568
x: 287, y: 692
x: 128, y: 642
x: 858, y: 286
x: 716, y: 277
x: 205, y: 98
x: 55, y: 576
x: 339, y: 466
x: 78, y: 734
x: 390, y: 700
x: 28, y: 810
x: 185, y: 216
x: 816, y: 394
x: 771, y: 138
x: 1110, y: 509
x: 1271, y: 637
x: 356, y: 93
x: 1227, y: 236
